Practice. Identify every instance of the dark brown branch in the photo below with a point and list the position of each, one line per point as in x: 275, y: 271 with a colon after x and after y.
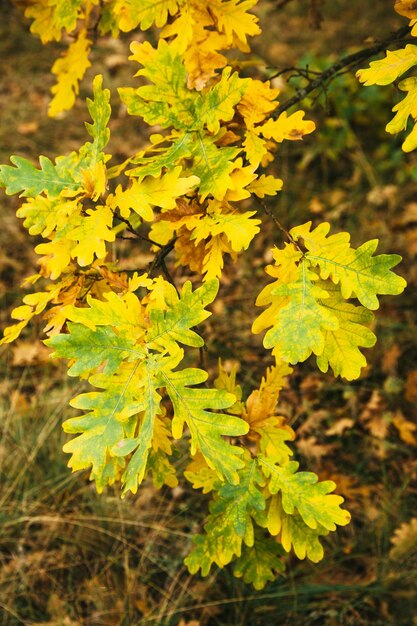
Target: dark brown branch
x: 136, y: 233
x: 281, y: 4
x: 280, y: 226
x: 159, y: 261
x: 351, y: 61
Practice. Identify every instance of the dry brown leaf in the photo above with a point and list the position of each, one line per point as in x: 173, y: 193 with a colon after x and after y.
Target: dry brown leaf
x: 28, y: 128
x: 374, y: 416
x: 310, y: 448
x: 409, y: 215
x: 30, y: 353
x: 316, y: 206
x: 404, y: 540
x: 378, y: 425
x: 411, y: 386
x: 390, y: 359
x: 410, y: 241
x: 313, y: 421
x: 340, y: 426
x: 405, y: 428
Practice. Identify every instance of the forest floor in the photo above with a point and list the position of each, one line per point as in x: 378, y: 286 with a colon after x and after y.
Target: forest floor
x: 71, y: 557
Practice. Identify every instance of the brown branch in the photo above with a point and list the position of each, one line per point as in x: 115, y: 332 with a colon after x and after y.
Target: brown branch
x: 350, y: 61
x: 159, y: 261
x: 281, y: 4
x: 280, y: 226
x: 136, y: 233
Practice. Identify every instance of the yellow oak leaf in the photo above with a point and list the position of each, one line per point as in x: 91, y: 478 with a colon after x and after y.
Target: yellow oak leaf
x: 404, y: 109
x: 240, y: 178
x: 69, y: 69
x: 95, y: 181
x: 408, y: 8
x: 386, y: 70
x: 258, y: 101
x: 256, y: 148
x: 131, y: 13
x: 51, y: 16
x: 292, y: 127
x: 202, y: 58
x: 34, y: 304
x: 200, y: 475
x: 261, y: 403
x: 182, y: 28
x: 162, y: 438
x: 227, y: 380
x: 213, y: 262
x: 188, y: 252
x: 144, y: 194
x: 42, y: 215
x: 239, y: 228
x: 57, y: 256
x: 265, y: 186
x: 91, y: 235
x: 234, y: 20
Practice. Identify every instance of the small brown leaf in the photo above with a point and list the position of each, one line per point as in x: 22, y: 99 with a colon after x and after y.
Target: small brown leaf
x: 404, y: 540
x: 411, y: 386
x: 405, y: 428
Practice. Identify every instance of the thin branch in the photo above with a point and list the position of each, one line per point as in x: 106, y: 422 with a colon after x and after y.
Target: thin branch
x: 136, y: 232
x: 280, y: 226
x: 159, y: 261
x: 281, y: 4
x: 349, y: 61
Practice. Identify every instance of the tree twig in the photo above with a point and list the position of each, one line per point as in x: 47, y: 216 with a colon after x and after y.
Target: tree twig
x: 280, y: 4
x: 136, y: 232
x: 280, y: 226
x: 349, y: 61
x: 159, y: 261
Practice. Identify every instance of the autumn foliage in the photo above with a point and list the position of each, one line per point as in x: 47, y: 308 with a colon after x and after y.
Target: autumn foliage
x: 130, y: 334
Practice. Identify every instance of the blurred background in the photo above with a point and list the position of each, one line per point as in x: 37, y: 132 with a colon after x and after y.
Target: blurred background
x: 71, y: 557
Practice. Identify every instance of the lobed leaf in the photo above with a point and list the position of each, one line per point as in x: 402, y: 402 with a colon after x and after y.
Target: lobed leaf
x: 295, y: 534
x: 301, y: 491
x: 207, y: 429
x: 387, y: 70
x: 259, y: 563
x: 173, y: 325
x: 360, y: 273
x: 31, y: 182
x: 90, y: 349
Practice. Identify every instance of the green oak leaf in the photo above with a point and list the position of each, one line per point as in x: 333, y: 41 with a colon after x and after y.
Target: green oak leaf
x: 359, y: 272
x: 236, y: 503
x: 301, y: 491
x: 100, y: 111
x: 259, y: 563
x: 90, y: 349
x: 173, y: 325
x: 207, y: 429
x: 295, y: 533
x: 299, y: 327
x: 341, y: 346
x: 30, y: 181
x: 112, y: 417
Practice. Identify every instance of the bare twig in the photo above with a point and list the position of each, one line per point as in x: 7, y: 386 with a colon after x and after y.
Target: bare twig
x: 281, y: 4
x: 136, y: 232
x: 350, y: 61
x: 280, y: 226
x: 159, y: 261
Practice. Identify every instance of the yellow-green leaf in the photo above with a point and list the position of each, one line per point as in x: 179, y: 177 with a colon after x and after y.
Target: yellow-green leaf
x: 388, y: 69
